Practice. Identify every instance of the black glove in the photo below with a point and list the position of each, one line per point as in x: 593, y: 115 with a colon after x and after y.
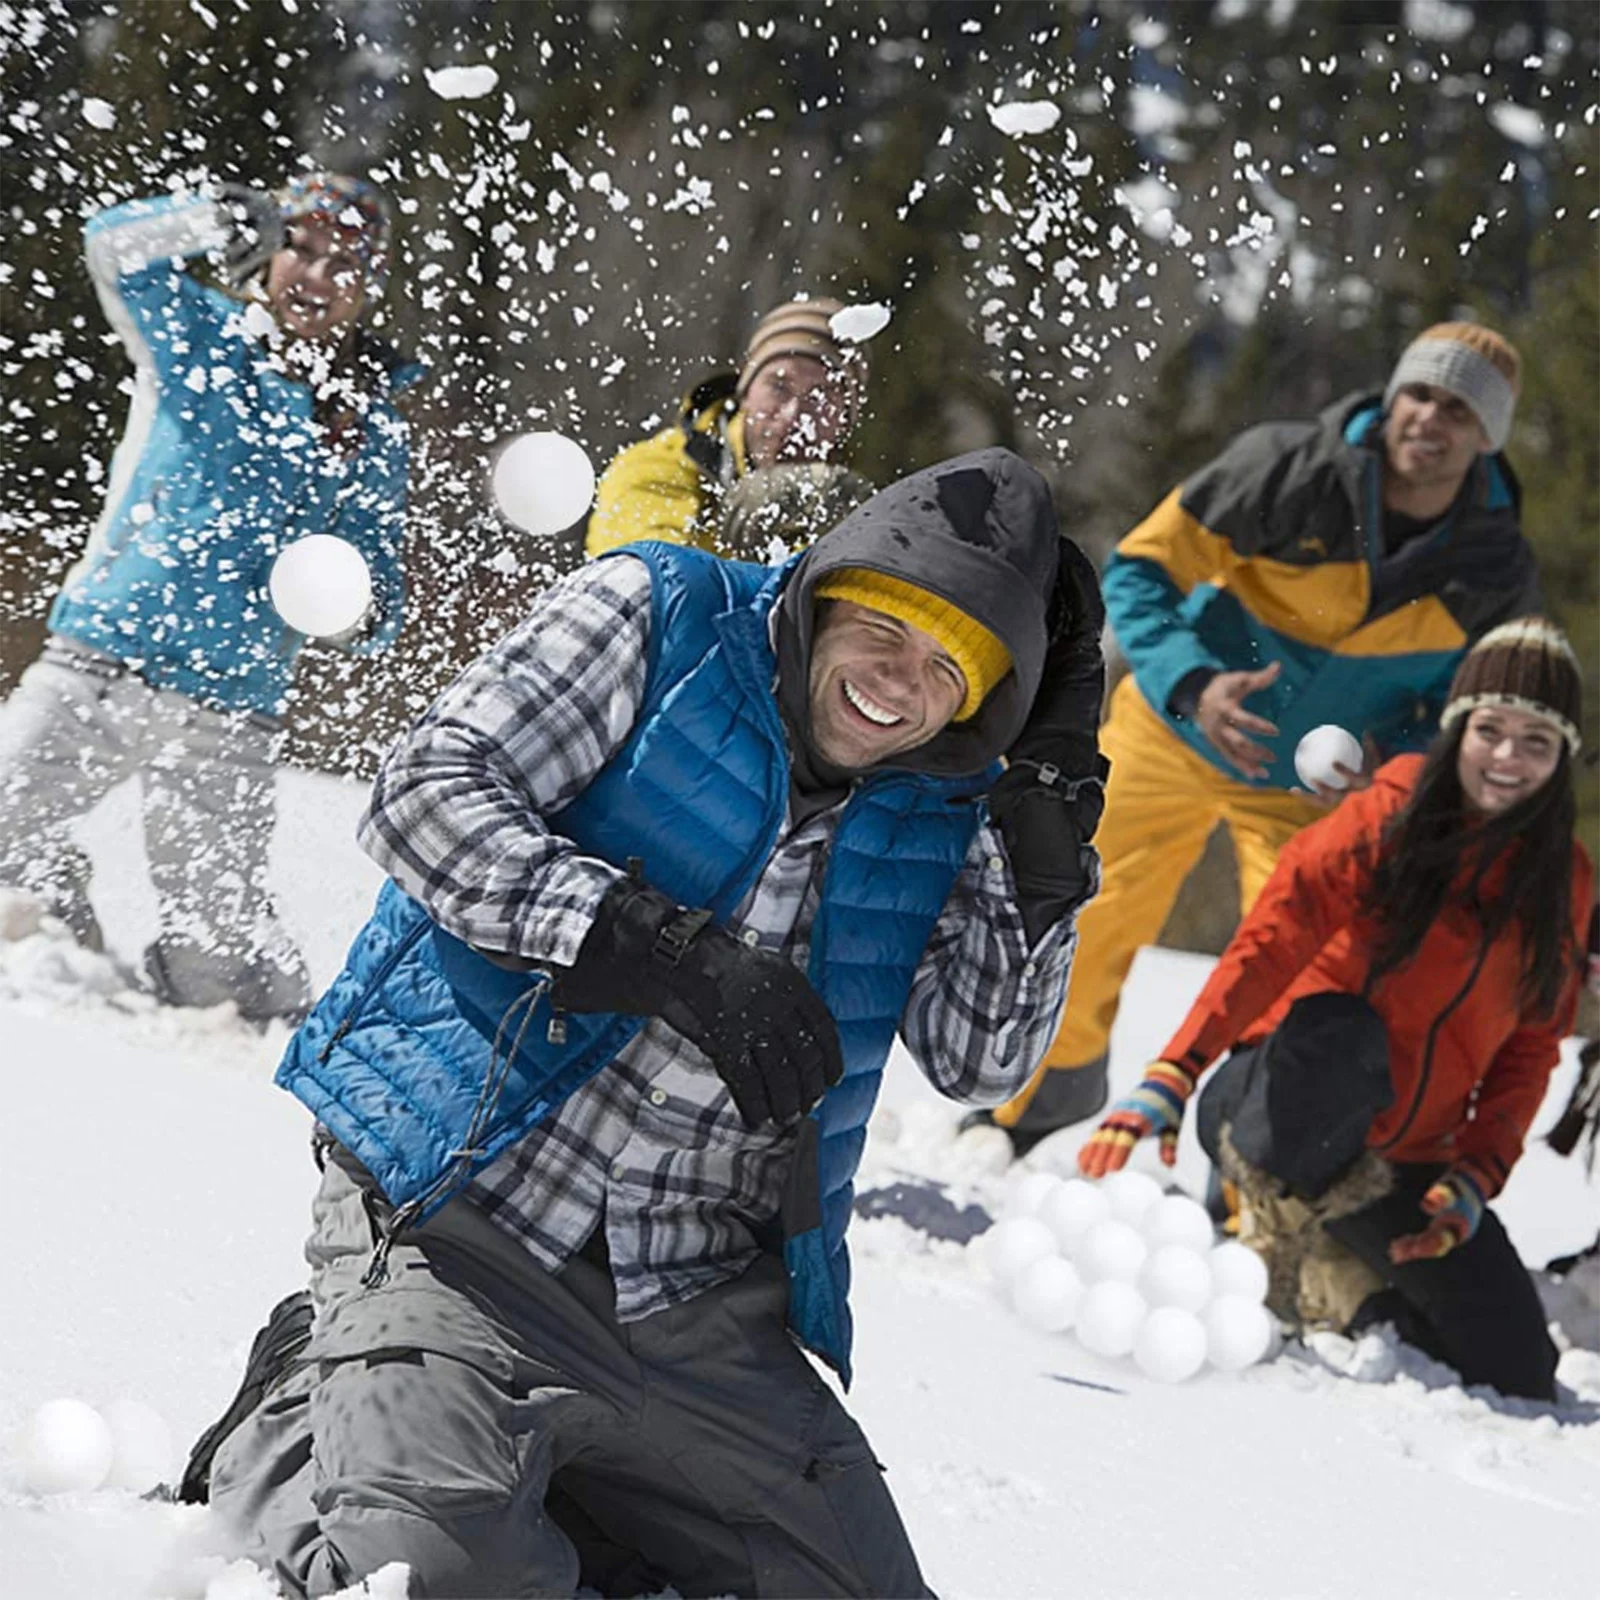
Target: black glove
x: 763, y: 1026
x: 1047, y: 803
x: 256, y: 230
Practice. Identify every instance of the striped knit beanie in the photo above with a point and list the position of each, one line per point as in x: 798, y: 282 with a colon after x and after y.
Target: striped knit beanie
x: 348, y: 203
x: 983, y: 659
x: 1526, y: 664
x: 802, y: 328
x: 1471, y: 361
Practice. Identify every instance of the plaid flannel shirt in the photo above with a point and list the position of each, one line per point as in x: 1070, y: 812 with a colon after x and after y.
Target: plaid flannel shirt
x: 652, y: 1146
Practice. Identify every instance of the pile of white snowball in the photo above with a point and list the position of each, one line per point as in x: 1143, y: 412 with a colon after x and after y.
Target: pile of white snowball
x: 1131, y: 1271
x: 69, y: 1447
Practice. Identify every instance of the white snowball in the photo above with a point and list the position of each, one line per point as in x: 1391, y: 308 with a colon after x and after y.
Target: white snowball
x: 1072, y: 1210
x: 857, y: 324
x: 1011, y: 1245
x: 543, y: 482
x: 1176, y: 1219
x: 1237, y: 1269
x: 1320, y: 750
x: 1131, y: 1194
x: 1109, y: 1318
x: 320, y: 585
x: 1111, y: 1249
x: 99, y: 113
x: 1238, y: 1332
x: 1176, y: 1276
x: 1171, y: 1345
x: 1028, y: 1193
x: 141, y: 1446
x: 65, y: 1448
x: 462, y: 83
x: 1047, y: 1293
x: 1021, y: 117
x: 984, y: 1150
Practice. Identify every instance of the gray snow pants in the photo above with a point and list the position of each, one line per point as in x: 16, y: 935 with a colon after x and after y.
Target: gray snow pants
x: 493, y: 1426
x: 77, y: 725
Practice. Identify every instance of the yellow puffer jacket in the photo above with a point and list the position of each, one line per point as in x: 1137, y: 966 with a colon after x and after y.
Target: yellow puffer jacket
x: 662, y: 487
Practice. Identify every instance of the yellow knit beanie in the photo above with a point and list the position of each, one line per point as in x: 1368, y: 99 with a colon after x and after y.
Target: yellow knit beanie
x: 983, y: 659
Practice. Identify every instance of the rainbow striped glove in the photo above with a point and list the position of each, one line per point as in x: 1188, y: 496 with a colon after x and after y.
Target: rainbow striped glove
x: 1155, y: 1107
x: 1455, y: 1203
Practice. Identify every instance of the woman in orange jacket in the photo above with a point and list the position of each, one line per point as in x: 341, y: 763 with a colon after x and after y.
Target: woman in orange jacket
x: 1396, y: 1000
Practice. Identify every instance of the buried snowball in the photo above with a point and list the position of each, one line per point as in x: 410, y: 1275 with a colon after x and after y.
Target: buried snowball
x: 1321, y: 750
x: 543, y: 482
x: 1072, y: 1209
x: 1047, y: 1293
x: 1131, y: 1194
x: 1175, y: 1276
x: 1020, y: 117
x: 462, y: 83
x: 1238, y: 1332
x: 857, y: 324
x: 1237, y: 1269
x: 1109, y: 1318
x: 1012, y: 1245
x: 1028, y: 1194
x: 1176, y: 1219
x: 320, y: 585
x: 1111, y: 1249
x: 1171, y: 1345
x: 65, y: 1448
x: 141, y: 1446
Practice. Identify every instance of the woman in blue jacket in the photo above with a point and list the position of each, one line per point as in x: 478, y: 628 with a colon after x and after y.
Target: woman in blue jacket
x: 256, y: 419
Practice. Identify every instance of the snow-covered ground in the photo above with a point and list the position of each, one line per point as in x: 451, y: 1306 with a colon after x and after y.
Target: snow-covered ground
x: 157, y: 1187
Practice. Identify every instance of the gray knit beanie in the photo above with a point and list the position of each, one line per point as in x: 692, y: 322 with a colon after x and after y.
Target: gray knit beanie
x: 1471, y: 361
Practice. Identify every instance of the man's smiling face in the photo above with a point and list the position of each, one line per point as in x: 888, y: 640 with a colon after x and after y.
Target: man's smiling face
x: 878, y: 686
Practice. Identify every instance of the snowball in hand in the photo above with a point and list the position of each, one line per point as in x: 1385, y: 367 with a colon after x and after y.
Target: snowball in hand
x: 1237, y: 1269
x: 1047, y: 1294
x: 141, y: 1441
x: 1321, y: 750
x: 66, y: 1448
x: 1238, y: 1332
x: 1171, y: 1345
x: 1111, y: 1249
x: 1131, y: 1194
x: 542, y: 482
x: 1110, y: 1317
x: 320, y: 585
x: 1176, y: 1219
x: 1175, y: 1276
x: 1011, y: 1245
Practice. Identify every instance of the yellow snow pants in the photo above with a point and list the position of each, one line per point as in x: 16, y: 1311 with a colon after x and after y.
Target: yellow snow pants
x: 1162, y: 802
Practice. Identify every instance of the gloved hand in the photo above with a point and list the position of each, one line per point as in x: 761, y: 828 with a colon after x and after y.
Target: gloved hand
x: 1455, y: 1203
x: 793, y: 502
x: 1155, y: 1107
x: 1047, y: 803
x: 256, y: 229
x: 764, y: 1028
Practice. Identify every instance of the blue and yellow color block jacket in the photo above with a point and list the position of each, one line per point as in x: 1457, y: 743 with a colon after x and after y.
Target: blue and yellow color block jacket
x: 1275, y: 552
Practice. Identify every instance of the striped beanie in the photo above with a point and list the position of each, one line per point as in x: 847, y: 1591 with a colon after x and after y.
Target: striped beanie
x: 802, y: 328
x: 1471, y: 361
x: 1525, y: 664
x: 983, y: 659
x: 349, y: 203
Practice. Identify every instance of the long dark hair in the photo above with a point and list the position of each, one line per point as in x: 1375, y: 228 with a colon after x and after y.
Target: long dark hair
x: 1429, y: 855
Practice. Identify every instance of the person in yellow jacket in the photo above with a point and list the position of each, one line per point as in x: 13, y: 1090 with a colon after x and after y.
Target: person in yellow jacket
x: 753, y: 455
x: 1331, y: 571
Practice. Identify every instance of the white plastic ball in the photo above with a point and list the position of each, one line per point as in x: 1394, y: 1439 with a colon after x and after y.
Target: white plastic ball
x: 1237, y: 1269
x: 1171, y: 1345
x: 1011, y: 1245
x: 1131, y: 1194
x: 1322, y: 749
x: 1176, y: 1219
x: 1175, y: 1276
x: 1109, y: 1318
x: 65, y: 1448
x: 1238, y: 1332
x: 320, y: 585
x: 1073, y: 1209
x: 543, y: 482
x: 1047, y: 1294
x: 1028, y: 1194
x: 1111, y: 1249
x: 141, y: 1441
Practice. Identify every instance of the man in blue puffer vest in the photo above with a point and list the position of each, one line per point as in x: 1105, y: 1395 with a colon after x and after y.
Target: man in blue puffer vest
x: 672, y: 865
x: 257, y: 418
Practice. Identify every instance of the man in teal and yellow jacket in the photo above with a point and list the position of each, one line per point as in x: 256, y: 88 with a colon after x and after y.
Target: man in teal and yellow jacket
x: 1333, y: 571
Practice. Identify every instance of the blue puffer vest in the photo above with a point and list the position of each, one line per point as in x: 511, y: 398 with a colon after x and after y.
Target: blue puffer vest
x: 426, y: 1060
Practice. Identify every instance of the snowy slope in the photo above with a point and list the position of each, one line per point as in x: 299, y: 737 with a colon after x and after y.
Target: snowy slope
x: 157, y: 1188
